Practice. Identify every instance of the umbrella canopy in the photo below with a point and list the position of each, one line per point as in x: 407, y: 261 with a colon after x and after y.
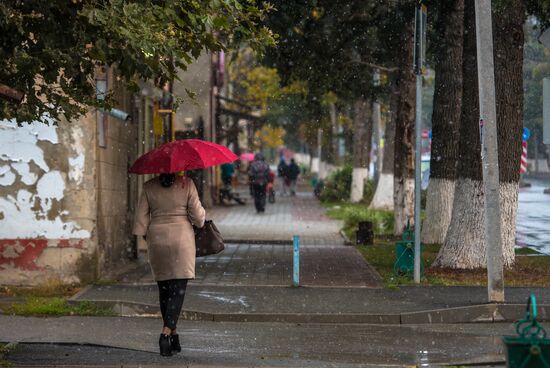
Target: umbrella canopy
x: 181, y: 155
x: 247, y: 156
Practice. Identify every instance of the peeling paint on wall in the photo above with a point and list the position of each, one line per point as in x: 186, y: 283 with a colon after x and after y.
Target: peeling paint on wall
x: 76, y: 163
x: 7, y: 177
x: 30, y: 213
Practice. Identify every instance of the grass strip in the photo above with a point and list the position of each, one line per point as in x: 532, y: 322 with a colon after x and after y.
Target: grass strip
x: 56, y: 306
x: 528, y: 270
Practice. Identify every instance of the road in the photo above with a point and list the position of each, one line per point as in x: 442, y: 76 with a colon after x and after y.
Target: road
x: 533, y: 219
x: 110, y: 341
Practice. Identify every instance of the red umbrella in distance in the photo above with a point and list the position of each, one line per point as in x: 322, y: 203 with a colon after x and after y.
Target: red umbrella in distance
x: 247, y: 156
x: 181, y: 155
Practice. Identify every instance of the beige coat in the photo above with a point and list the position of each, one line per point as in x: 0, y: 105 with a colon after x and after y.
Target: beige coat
x: 165, y: 216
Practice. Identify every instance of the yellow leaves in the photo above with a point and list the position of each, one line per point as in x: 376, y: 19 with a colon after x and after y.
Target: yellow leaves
x: 344, y: 120
x: 262, y: 85
x: 271, y: 137
x: 316, y: 13
x: 295, y: 88
x: 329, y: 98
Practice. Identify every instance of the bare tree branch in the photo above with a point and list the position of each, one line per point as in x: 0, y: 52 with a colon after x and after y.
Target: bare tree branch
x: 374, y: 66
x: 10, y: 94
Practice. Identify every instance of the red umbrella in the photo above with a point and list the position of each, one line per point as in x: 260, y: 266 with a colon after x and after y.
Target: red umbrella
x: 247, y: 156
x: 181, y: 155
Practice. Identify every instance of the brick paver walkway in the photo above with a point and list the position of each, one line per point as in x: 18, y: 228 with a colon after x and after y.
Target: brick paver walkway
x: 271, y: 265
x: 258, y: 250
x: 300, y: 215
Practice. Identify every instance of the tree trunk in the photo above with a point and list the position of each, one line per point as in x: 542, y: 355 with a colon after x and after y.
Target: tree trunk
x: 362, y: 133
x: 404, y: 134
x: 445, y: 122
x: 464, y: 245
x: 508, y: 21
x: 383, y: 196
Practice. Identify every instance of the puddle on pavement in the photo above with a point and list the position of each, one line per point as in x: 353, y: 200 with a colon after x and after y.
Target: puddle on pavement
x: 533, y: 217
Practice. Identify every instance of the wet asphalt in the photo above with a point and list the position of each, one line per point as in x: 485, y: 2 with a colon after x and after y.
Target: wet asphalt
x: 533, y: 219
x: 109, y: 341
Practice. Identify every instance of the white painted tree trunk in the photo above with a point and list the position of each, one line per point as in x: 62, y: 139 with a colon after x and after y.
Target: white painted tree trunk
x: 358, y: 177
x: 508, y: 193
x: 464, y: 246
x: 383, y: 196
x: 439, y: 208
x: 404, y: 204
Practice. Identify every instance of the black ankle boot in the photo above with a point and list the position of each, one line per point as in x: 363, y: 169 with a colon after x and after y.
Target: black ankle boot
x: 165, y: 345
x: 176, y: 343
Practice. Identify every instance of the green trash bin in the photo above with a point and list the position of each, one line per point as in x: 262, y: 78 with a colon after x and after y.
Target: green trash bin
x: 404, y: 254
x: 531, y: 348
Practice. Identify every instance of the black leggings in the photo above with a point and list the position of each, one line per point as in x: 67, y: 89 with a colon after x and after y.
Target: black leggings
x: 171, y: 294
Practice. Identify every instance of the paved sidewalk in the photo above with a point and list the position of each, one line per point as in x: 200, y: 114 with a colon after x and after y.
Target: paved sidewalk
x: 407, y: 305
x: 229, y: 344
x: 271, y: 265
x: 300, y: 215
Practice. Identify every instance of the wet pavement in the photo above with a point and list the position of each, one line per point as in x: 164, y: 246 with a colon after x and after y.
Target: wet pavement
x: 299, y: 215
x: 278, y: 300
x: 533, y: 222
x: 250, y: 344
x: 271, y: 265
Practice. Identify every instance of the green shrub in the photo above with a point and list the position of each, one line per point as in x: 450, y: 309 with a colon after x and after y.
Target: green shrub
x: 337, y: 187
x: 352, y: 214
x: 368, y: 191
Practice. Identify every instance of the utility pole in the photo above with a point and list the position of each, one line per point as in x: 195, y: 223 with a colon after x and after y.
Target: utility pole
x: 489, y: 149
x: 376, y: 129
x: 419, y: 52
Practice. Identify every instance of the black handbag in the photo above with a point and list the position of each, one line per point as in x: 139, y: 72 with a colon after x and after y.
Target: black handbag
x: 208, y: 240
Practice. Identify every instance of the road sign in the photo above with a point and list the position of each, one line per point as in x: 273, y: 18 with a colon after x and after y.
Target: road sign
x: 526, y: 134
x: 421, y: 22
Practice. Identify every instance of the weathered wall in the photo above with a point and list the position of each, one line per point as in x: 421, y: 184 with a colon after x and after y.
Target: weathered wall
x: 115, y: 189
x: 47, y: 202
x: 197, y: 80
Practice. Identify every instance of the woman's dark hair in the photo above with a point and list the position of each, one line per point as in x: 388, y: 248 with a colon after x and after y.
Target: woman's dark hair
x: 166, y: 180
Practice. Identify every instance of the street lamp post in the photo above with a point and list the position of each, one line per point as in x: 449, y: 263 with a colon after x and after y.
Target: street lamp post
x: 489, y: 149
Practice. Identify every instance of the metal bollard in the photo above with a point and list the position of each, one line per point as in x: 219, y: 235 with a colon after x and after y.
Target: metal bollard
x: 296, y: 261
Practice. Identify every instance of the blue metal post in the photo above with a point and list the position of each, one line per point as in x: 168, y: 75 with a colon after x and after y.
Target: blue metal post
x: 296, y: 262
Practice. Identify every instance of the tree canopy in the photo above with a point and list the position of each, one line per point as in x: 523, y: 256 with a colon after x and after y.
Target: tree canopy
x: 49, y: 49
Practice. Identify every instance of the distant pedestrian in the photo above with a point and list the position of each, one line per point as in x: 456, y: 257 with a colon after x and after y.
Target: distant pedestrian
x: 228, y: 170
x: 282, y: 170
x: 168, y: 208
x: 293, y: 173
x: 259, y: 176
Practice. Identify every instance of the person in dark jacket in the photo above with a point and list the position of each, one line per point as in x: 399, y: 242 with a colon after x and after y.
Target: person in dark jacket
x: 228, y: 170
x: 282, y: 172
x: 259, y: 176
x: 293, y: 172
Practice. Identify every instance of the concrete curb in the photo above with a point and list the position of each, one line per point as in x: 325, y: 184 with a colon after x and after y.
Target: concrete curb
x: 258, y: 241
x: 481, y: 313
x: 347, y: 240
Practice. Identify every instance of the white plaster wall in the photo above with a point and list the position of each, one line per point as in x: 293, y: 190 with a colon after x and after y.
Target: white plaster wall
x: 26, y: 197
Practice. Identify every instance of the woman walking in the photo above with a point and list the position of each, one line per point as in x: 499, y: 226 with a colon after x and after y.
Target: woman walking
x: 168, y: 207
